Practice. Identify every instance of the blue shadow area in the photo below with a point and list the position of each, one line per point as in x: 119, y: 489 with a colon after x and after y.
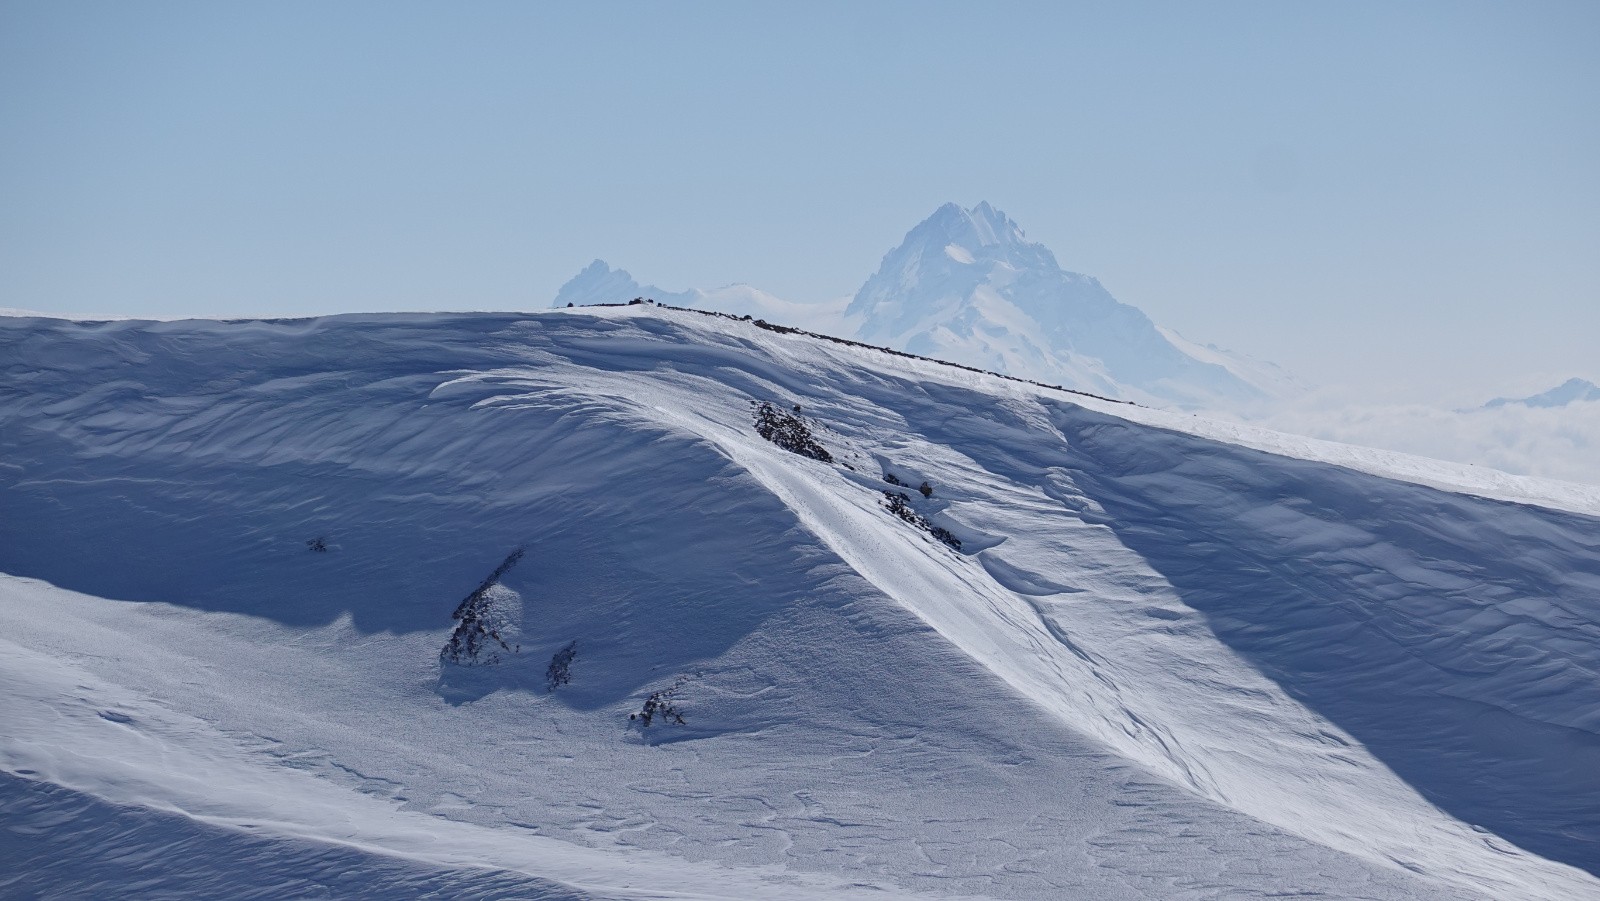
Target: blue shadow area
x: 147, y: 473
x: 1449, y: 634
x: 154, y: 854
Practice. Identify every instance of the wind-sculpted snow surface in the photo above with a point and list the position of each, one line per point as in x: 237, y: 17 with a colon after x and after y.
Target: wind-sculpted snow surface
x: 1147, y: 663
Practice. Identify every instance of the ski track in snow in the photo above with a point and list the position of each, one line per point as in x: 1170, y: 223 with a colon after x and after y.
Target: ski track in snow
x: 1164, y: 663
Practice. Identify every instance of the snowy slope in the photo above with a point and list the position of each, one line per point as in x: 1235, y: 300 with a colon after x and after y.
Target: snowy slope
x: 1273, y: 382
x: 1159, y: 664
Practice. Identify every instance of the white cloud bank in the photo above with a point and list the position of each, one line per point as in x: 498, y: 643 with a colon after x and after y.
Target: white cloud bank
x: 1554, y: 443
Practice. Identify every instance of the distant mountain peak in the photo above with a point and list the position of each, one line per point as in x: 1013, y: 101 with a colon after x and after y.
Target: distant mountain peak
x: 599, y: 283
x: 972, y: 230
x: 1573, y: 390
x: 966, y: 285
x: 995, y: 226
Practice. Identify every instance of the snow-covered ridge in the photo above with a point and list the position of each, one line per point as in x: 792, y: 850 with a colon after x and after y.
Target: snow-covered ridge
x: 599, y: 284
x: 1156, y: 665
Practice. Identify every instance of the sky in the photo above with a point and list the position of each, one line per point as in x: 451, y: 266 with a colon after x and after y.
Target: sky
x: 1399, y: 198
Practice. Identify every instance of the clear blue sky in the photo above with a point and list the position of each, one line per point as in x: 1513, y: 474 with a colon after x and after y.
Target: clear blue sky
x: 1388, y: 193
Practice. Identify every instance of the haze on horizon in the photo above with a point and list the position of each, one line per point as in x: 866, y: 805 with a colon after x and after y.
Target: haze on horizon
x: 1400, y: 200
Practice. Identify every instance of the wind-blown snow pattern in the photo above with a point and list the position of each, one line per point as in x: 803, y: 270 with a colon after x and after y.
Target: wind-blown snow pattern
x: 1159, y: 664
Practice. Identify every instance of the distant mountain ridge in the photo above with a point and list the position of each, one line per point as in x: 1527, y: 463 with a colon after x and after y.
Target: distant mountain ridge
x: 966, y: 285
x: 1573, y: 390
x: 599, y: 283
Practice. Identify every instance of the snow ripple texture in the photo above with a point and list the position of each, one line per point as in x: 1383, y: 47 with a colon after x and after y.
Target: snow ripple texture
x: 1163, y: 663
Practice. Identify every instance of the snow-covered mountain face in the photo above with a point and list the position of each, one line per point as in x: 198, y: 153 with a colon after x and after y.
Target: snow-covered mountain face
x: 1572, y: 391
x: 967, y: 286
x: 1111, y: 652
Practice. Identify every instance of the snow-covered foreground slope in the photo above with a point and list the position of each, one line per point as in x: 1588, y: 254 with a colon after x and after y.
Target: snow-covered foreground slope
x: 1158, y: 665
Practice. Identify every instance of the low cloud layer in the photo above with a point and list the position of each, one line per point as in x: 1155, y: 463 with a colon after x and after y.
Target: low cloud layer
x: 1555, y: 443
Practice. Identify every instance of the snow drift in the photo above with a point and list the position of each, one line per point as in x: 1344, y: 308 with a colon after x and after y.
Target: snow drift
x: 1149, y: 663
